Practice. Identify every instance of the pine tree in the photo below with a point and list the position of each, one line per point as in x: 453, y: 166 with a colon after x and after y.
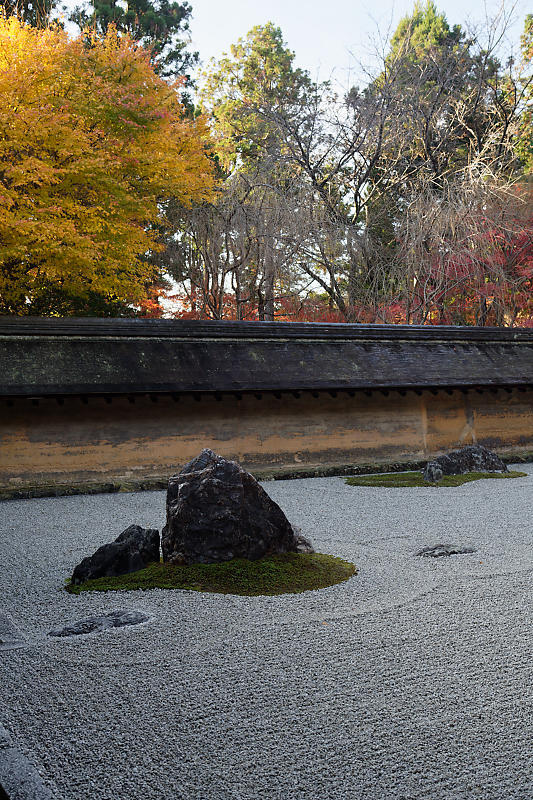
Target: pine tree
x: 162, y: 28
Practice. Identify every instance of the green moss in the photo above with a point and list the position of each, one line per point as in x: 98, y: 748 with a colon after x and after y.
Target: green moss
x: 416, y: 479
x: 280, y: 574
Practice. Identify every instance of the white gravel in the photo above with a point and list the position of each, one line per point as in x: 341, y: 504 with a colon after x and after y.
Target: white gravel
x: 411, y: 680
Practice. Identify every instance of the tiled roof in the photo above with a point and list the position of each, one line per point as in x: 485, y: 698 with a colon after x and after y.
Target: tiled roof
x: 40, y: 357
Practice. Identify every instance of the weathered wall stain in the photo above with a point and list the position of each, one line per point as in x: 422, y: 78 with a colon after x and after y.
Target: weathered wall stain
x: 49, y: 442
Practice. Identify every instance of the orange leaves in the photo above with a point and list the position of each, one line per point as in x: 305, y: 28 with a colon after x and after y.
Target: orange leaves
x: 92, y: 141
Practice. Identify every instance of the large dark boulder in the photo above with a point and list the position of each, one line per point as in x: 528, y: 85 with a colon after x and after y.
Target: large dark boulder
x: 134, y: 549
x: 217, y: 511
x: 472, y: 458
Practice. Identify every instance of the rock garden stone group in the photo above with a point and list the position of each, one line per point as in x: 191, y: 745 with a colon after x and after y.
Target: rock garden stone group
x: 216, y: 511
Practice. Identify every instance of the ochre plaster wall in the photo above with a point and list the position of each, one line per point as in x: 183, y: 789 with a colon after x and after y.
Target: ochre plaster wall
x: 99, y: 440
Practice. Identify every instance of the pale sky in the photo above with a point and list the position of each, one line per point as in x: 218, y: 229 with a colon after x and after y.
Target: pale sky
x: 327, y: 36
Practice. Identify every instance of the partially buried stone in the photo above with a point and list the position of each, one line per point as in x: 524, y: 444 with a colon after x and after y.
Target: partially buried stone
x: 217, y: 511
x: 115, y: 619
x: 132, y: 550
x: 10, y: 636
x: 472, y: 458
x: 438, y: 550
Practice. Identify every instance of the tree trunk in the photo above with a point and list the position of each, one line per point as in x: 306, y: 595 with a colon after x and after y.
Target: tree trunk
x: 269, y: 278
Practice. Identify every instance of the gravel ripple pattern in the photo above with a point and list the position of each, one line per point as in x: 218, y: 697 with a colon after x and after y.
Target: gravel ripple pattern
x: 411, y: 681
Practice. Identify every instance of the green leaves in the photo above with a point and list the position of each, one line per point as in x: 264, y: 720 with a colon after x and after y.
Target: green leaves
x: 244, y: 89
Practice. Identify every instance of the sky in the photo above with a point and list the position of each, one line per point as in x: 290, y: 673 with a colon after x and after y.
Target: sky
x: 329, y: 37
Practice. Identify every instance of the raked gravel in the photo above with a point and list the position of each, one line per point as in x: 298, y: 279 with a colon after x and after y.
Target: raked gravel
x: 411, y: 680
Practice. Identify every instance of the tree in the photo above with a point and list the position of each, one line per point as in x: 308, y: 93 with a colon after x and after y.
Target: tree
x: 525, y: 134
x: 241, y: 91
x: 33, y: 12
x: 437, y: 106
x: 159, y: 27
x: 433, y: 68
x: 218, y: 258
x: 470, y: 252
x: 396, y: 203
x: 92, y: 145
x: 424, y: 31
x: 460, y: 209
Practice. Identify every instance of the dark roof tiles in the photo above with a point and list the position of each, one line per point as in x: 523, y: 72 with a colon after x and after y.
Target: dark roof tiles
x: 40, y: 357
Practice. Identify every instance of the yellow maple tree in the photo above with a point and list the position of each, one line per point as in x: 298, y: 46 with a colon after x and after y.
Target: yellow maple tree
x: 92, y: 143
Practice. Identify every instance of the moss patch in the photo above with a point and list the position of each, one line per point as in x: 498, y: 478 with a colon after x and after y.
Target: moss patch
x: 288, y: 573
x: 416, y: 479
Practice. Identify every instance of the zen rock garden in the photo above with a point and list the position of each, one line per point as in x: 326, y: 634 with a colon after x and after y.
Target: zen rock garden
x: 218, y: 514
x: 10, y: 636
x: 439, y: 550
x: 439, y: 600
x: 216, y: 511
x: 115, y: 619
x: 470, y: 463
x: 133, y: 549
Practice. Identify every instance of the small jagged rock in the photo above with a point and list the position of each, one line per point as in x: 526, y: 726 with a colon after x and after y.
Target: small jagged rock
x: 132, y: 550
x: 115, y: 619
x: 433, y: 473
x: 438, y: 550
x: 303, y: 545
x: 472, y: 458
x: 217, y: 511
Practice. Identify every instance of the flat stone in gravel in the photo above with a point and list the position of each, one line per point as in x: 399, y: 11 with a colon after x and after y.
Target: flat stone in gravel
x: 19, y: 780
x: 115, y: 619
x: 10, y: 636
x: 438, y: 550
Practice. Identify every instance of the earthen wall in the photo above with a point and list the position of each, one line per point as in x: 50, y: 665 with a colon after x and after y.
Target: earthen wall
x: 119, y: 438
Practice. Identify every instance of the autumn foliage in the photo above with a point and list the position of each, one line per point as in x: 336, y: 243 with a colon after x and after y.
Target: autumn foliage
x: 92, y: 144
x: 407, y: 201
